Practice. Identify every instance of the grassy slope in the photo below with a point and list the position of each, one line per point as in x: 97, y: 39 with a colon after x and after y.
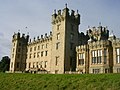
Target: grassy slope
x: 59, y: 82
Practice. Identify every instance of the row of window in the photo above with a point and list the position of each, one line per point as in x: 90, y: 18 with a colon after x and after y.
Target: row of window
x: 38, y: 54
x: 58, y: 27
x: 117, y: 55
x: 97, y: 56
x: 42, y: 64
x: 38, y: 47
x: 19, y: 44
x: 96, y: 71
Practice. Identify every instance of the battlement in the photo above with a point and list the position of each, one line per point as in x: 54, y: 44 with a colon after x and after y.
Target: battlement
x: 63, y: 14
x: 99, y: 33
x: 41, y: 39
x: 18, y: 36
x: 99, y: 44
x: 116, y: 42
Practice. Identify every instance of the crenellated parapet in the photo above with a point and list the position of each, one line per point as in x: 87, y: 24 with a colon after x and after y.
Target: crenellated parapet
x: 99, y: 44
x: 116, y: 42
x: 45, y: 38
x: 99, y: 33
x: 61, y: 15
x: 18, y: 36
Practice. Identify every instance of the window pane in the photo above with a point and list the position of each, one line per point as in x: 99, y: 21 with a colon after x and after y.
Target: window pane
x: 118, y: 51
x: 95, y: 53
x: 105, y: 52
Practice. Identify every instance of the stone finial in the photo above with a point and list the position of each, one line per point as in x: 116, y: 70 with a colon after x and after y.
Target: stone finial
x: 34, y: 38
x: 99, y: 23
x: 23, y: 35
x: 77, y: 11
x: 37, y: 37
x: 50, y: 33
x: 66, y: 5
x: 55, y: 11
x: 30, y: 40
x: 41, y: 36
x: 59, y: 12
x: 45, y: 34
x: 72, y: 12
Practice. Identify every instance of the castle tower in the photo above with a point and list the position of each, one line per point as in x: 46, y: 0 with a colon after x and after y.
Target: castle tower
x: 65, y: 28
x: 18, y: 52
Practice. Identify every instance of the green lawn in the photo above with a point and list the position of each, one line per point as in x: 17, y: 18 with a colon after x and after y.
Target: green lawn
x: 59, y: 81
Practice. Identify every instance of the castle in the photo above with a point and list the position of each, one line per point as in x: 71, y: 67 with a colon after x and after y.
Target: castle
x: 65, y: 49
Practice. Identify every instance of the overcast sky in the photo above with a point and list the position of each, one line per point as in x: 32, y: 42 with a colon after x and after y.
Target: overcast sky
x: 36, y: 15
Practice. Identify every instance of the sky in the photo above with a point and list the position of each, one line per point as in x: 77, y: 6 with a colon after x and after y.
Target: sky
x: 36, y: 16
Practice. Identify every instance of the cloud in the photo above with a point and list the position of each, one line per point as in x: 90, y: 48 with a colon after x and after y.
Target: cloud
x: 4, y: 46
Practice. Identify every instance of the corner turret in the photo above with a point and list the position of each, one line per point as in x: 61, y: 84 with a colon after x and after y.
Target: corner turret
x: 18, y: 52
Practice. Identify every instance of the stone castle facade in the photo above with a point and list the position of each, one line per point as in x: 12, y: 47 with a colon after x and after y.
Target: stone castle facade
x: 65, y: 49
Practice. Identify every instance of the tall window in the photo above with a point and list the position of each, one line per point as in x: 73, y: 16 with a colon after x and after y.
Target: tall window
x: 41, y: 64
x: 45, y: 64
x: 29, y: 64
x: 96, y: 56
x: 118, y: 55
x: 30, y: 56
x: 38, y: 47
x: 118, y: 70
x: 81, y: 58
x: 99, y: 56
x: 34, y: 55
x: 58, y: 36
x: 95, y: 71
x: 33, y: 64
x: 57, y: 59
x: 35, y: 48
x: 41, y: 53
x: 31, y: 49
x: 57, y: 45
x: 37, y: 64
x: 42, y: 46
x: 47, y: 45
x: 58, y: 27
x: 38, y: 54
x: 105, y: 56
x: 46, y: 53
x: 12, y: 55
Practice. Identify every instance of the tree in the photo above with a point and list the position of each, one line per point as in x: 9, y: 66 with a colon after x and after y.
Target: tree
x: 4, y: 64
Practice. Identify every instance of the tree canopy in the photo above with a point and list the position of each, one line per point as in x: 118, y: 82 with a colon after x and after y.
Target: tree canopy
x: 4, y: 64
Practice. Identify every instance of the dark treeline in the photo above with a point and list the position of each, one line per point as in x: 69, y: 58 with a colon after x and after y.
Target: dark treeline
x: 4, y: 64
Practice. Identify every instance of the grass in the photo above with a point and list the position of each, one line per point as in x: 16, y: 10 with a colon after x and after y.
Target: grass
x: 59, y: 81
